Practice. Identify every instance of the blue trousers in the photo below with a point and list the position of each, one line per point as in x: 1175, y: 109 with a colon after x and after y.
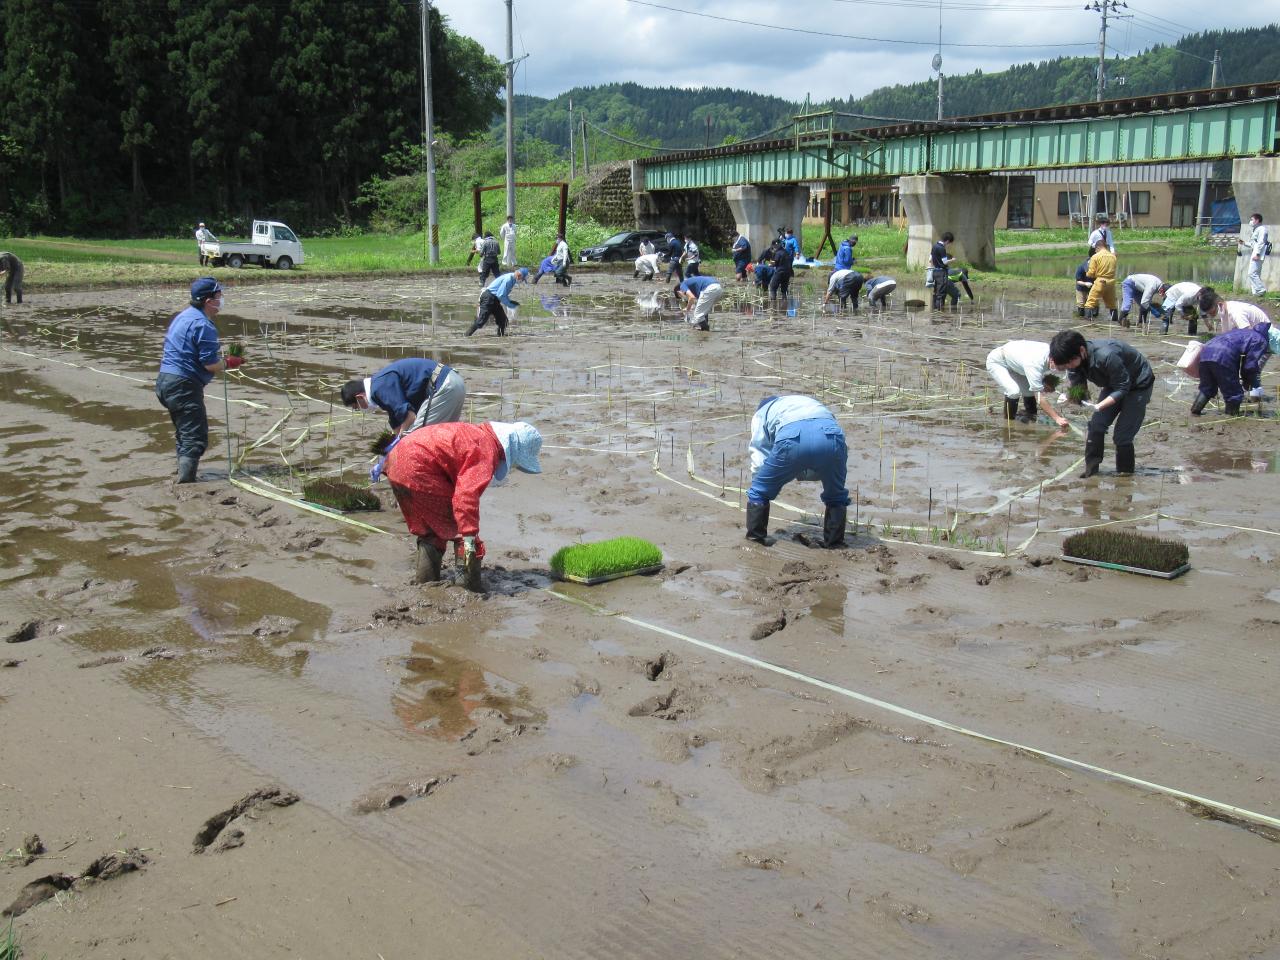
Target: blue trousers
x: 184, y: 399
x: 806, y: 445
x: 1225, y: 377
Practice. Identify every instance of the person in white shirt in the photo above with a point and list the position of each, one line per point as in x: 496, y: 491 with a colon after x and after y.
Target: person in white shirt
x: 507, y: 233
x: 647, y: 264
x: 846, y: 284
x: 1102, y: 232
x: 1021, y: 369
x: 1259, y: 247
x: 1140, y: 287
x: 1180, y: 298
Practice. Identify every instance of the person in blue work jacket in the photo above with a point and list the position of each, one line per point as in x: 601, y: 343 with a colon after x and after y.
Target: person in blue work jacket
x: 700, y: 295
x: 496, y: 296
x: 192, y: 356
x: 796, y: 437
x: 741, y: 255
x: 878, y: 290
x: 844, y: 254
x: 791, y: 242
x: 1230, y: 362
x: 412, y: 392
x: 675, y: 253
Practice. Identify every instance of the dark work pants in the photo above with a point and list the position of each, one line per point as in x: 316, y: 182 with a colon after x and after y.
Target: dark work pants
x: 674, y: 267
x: 487, y: 267
x: 491, y: 306
x: 1127, y: 415
x: 780, y: 284
x: 184, y: 399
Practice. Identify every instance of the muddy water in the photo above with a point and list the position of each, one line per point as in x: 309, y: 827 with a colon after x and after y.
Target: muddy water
x: 204, y: 641
x: 1215, y: 269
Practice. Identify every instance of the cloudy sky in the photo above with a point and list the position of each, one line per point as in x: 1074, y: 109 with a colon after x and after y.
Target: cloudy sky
x: 589, y: 42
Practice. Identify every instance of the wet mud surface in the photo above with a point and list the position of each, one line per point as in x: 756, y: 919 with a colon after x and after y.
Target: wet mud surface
x: 548, y: 780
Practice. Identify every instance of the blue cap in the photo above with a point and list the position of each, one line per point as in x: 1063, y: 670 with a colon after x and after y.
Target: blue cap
x: 204, y: 288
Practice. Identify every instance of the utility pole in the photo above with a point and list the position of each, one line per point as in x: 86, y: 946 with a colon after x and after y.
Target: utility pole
x: 511, y: 129
x: 937, y: 60
x: 1107, y: 8
x: 428, y: 141
x: 572, y: 158
x: 1204, y: 171
x: 586, y: 162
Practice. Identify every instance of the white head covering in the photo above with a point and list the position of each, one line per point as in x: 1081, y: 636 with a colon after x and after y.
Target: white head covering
x: 520, y: 445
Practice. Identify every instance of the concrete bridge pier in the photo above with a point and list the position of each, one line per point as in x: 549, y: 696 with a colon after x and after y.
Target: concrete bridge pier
x: 965, y: 205
x: 1257, y: 187
x: 760, y: 211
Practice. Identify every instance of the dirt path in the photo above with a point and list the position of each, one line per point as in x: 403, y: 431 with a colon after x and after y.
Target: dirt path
x: 514, y: 775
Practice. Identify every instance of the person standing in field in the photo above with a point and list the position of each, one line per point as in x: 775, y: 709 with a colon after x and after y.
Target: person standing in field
x: 12, y: 269
x: 508, y: 234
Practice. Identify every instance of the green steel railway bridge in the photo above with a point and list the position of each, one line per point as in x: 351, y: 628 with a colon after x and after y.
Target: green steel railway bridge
x: 949, y: 171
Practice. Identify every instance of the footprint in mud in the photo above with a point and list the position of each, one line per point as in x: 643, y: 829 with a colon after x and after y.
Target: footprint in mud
x: 491, y: 726
x: 28, y: 631
x: 101, y: 870
x: 951, y: 562
x: 985, y: 577
x: 663, y: 707
x: 653, y: 669
x: 388, y: 796
x: 769, y: 626
x: 261, y: 799
x: 151, y: 653
x: 890, y: 584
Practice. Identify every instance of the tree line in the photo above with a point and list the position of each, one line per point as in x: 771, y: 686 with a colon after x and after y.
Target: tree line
x: 142, y: 115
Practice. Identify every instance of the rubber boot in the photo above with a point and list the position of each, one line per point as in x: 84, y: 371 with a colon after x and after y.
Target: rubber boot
x: 1124, y: 459
x: 1198, y: 405
x: 475, y: 325
x: 1193, y: 324
x: 1029, y: 411
x: 1115, y: 317
x: 758, y: 523
x: 471, y: 573
x: 1010, y: 408
x: 1124, y: 318
x: 427, y: 569
x: 1092, y: 454
x: 187, y: 469
x: 833, y: 521
x: 1232, y: 409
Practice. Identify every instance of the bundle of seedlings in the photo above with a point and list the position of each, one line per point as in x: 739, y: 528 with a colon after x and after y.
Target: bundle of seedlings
x: 380, y: 443
x: 236, y: 350
x: 1078, y: 392
x: 340, y: 496
x: 607, y: 560
x: 1128, y: 551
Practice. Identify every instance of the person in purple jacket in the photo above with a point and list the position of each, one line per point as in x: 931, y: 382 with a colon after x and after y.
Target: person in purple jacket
x: 1230, y: 362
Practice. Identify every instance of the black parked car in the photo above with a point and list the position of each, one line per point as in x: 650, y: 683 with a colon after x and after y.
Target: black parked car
x: 621, y: 246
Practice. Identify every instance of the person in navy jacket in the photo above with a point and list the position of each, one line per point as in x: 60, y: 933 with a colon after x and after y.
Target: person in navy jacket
x: 412, y: 392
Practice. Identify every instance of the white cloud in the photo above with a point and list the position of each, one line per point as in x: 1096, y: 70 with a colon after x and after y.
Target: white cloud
x: 592, y: 42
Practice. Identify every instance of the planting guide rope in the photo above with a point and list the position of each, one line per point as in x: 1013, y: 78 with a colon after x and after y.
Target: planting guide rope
x: 1229, y: 812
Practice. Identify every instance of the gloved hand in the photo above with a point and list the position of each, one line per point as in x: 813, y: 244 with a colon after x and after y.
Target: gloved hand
x: 233, y: 362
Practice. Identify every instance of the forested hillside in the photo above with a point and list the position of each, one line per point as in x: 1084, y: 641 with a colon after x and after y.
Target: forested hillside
x: 677, y: 118
x: 136, y: 115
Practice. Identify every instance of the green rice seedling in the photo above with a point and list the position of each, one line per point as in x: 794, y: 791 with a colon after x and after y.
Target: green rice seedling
x: 380, y: 443
x: 1078, y: 392
x: 1127, y: 549
x: 605, y: 560
x: 337, y: 495
x: 235, y: 350
x: 9, y: 948
x: 1051, y: 381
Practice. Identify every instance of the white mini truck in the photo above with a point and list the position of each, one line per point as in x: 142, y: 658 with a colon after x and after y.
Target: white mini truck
x: 273, y: 245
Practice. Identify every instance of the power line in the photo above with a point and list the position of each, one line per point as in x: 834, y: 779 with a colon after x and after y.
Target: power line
x: 849, y: 36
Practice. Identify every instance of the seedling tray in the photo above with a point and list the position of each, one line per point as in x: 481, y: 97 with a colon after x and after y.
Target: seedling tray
x: 1176, y: 572
x: 605, y: 577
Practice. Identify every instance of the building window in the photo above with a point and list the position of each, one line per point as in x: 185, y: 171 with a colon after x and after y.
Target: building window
x: 1106, y: 202
x: 1068, y: 203
x: 837, y: 208
x: 1140, y: 202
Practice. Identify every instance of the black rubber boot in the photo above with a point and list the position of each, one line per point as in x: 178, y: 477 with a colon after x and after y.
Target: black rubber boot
x: 1198, y: 405
x: 1029, y: 411
x: 758, y: 523
x: 427, y: 568
x: 1193, y: 324
x: 833, y: 521
x: 1124, y: 318
x: 1092, y: 454
x: 1010, y: 408
x: 1124, y: 458
x: 187, y: 469
x: 475, y: 325
x: 1232, y: 409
